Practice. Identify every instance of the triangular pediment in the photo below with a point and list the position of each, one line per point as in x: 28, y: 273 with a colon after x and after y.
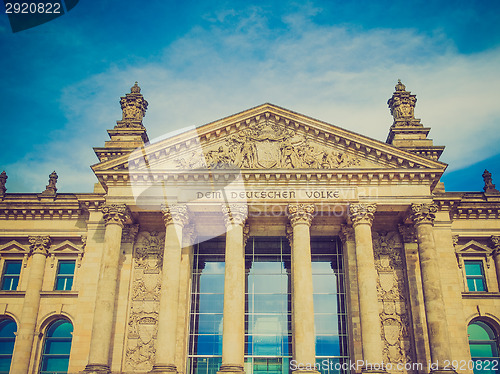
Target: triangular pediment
x: 66, y: 247
x: 270, y: 138
x: 473, y: 247
x: 13, y: 247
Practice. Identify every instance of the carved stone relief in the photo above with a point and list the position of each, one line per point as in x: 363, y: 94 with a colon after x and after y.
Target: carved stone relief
x: 144, y: 301
x: 266, y: 145
x: 392, y: 294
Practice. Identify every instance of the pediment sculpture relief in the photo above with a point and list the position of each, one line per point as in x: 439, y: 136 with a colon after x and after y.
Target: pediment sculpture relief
x: 265, y: 146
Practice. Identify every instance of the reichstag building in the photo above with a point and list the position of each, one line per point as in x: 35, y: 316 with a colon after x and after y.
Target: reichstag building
x: 264, y: 242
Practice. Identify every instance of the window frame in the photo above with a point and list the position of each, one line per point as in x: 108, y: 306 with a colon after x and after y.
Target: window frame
x: 45, y: 338
x: 496, y: 341
x: 65, y: 276
x: 3, y: 339
x: 4, y: 268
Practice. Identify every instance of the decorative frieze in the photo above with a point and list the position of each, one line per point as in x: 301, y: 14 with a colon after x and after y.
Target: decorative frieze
x: 175, y: 214
x: 39, y: 244
x: 423, y: 213
x: 362, y: 213
x: 235, y: 214
x: 116, y: 214
x: 301, y: 213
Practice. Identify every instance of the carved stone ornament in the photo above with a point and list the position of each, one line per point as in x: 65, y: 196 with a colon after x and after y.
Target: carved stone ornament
x: 391, y: 290
x: 115, y: 214
x: 489, y: 187
x: 134, y: 108
x: 301, y: 213
x: 402, y: 106
x: 423, y: 213
x: 454, y: 239
x: 129, y: 233
x: 3, y: 181
x: 289, y: 233
x: 246, y: 234
x: 267, y: 144
x: 235, y: 214
x: 495, y: 241
x: 50, y: 189
x: 346, y: 233
x: 408, y: 233
x: 39, y: 244
x: 362, y: 213
x: 141, y: 350
x: 188, y: 235
x: 175, y: 214
x: 148, y: 251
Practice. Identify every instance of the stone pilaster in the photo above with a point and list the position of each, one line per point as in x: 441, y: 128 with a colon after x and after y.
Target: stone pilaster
x: 495, y: 240
x: 423, y: 216
x: 115, y: 216
x: 233, y: 335
x: 39, y: 246
x: 351, y: 274
x: 175, y: 218
x: 189, y: 237
x: 416, y: 295
x: 361, y: 216
x: 304, y: 352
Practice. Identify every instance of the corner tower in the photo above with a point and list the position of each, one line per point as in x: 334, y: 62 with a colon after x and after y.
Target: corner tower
x: 406, y: 131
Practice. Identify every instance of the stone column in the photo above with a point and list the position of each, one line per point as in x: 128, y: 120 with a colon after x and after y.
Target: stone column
x: 495, y: 240
x: 361, y: 216
x: 233, y: 325
x: 423, y: 216
x: 304, y: 350
x: 175, y: 217
x: 115, y: 216
x: 39, y: 246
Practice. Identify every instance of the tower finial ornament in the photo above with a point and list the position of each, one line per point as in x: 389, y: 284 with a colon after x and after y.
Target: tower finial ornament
x: 402, y: 106
x: 134, y: 108
x: 489, y: 187
x: 400, y: 86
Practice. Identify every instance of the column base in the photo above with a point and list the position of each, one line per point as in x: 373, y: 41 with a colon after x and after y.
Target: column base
x: 164, y: 369
x: 231, y: 369
x: 96, y: 369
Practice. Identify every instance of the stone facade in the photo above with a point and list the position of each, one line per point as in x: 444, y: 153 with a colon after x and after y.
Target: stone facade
x: 267, y: 171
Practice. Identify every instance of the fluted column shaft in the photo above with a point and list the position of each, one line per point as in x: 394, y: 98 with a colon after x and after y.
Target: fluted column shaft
x: 39, y: 246
x: 233, y: 333
x: 361, y: 216
x: 423, y: 216
x: 115, y: 216
x: 175, y: 218
x: 304, y: 350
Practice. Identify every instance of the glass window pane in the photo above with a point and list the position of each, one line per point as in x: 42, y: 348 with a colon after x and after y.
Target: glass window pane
x: 55, y: 364
x: 324, y: 283
x: 267, y: 283
x: 13, y: 267
x: 209, y: 324
x: 5, y: 364
x: 6, y: 346
x: 274, y: 303
x: 211, y: 283
x: 471, y: 285
x: 326, y: 323
x: 60, y: 329
x: 7, y: 328
x: 327, y: 345
x: 57, y: 347
x: 479, y: 284
x: 66, y: 267
x: 211, y: 303
x: 473, y: 268
x: 325, y: 303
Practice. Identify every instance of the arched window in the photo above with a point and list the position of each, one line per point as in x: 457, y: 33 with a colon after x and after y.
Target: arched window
x: 7, y: 338
x: 56, y: 348
x: 484, y: 347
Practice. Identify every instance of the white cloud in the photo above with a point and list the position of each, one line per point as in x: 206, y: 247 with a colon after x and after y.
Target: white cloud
x: 336, y: 74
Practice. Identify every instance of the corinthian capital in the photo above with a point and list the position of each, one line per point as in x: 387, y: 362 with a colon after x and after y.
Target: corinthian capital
x: 301, y: 213
x: 423, y: 213
x: 235, y: 214
x: 346, y: 233
x: 495, y: 240
x: 176, y: 214
x: 39, y: 244
x: 362, y: 213
x: 115, y: 214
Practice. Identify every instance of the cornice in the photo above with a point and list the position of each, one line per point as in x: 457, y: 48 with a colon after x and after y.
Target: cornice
x: 469, y: 205
x: 339, y: 176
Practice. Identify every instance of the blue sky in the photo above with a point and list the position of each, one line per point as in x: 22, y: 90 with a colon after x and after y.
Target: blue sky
x: 198, y: 61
